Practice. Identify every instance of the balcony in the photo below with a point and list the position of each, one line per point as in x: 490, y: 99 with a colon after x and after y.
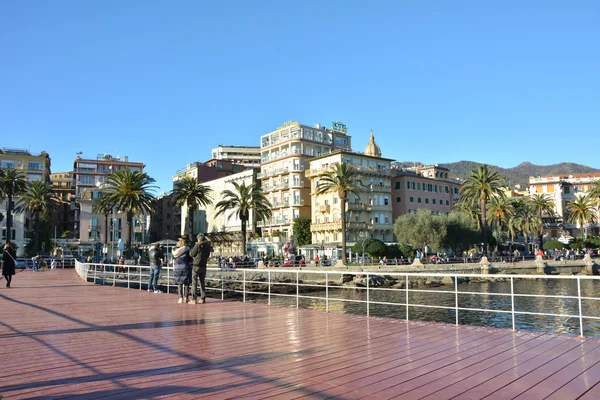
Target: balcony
x: 337, y: 226
x: 358, y: 207
x: 324, y: 208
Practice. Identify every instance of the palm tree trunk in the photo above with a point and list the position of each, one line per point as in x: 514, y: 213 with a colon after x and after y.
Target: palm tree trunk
x: 191, y: 223
x: 244, y: 236
x: 8, y: 217
x: 129, y: 234
x: 344, y: 201
x: 484, y: 226
x: 36, y: 234
x: 106, y: 229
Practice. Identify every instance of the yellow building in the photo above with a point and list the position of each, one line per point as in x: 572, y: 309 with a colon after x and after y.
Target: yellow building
x: 34, y: 167
x: 368, y: 212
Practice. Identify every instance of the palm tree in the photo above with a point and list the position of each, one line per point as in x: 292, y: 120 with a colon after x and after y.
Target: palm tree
x: 12, y: 183
x: 499, y: 209
x: 130, y: 192
x: 37, y: 198
x: 524, y: 220
x: 471, y: 209
x: 243, y: 199
x: 581, y: 211
x: 541, y: 205
x: 480, y: 187
x: 514, y: 221
x: 188, y: 191
x: 102, y: 206
x: 341, y: 179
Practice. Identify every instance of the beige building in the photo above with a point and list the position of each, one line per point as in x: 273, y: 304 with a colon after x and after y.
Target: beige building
x: 95, y: 231
x: 34, y: 167
x: 368, y: 212
x: 424, y: 187
x: 285, y: 155
x: 560, y: 189
x: 64, y: 219
x: 247, y: 156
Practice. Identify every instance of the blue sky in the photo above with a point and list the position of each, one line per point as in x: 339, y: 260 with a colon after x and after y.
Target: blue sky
x: 164, y: 82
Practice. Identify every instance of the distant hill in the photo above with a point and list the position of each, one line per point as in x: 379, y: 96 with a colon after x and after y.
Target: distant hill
x: 518, y: 175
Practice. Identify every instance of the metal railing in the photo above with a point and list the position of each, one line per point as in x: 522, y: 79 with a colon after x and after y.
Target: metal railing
x: 301, y: 287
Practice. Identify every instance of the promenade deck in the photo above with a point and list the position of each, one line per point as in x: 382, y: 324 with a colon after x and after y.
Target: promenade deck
x: 61, y: 337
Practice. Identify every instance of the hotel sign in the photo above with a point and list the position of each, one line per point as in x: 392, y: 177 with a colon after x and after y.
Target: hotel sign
x: 338, y: 126
x: 287, y: 124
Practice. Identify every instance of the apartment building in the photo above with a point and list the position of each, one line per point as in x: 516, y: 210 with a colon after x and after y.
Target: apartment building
x: 368, y: 212
x: 64, y: 219
x: 34, y: 167
x: 285, y: 155
x: 560, y: 189
x: 100, y: 232
x: 247, y: 156
x: 424, y: 187
x: 162, y: 219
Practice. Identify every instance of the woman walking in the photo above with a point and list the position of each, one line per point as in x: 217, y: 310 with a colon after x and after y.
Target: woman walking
x: 8, y: 263
x: 182, y: 269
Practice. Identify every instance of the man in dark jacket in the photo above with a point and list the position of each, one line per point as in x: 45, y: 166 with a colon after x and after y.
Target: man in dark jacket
x: 200, y: 253
x: 156, y: 260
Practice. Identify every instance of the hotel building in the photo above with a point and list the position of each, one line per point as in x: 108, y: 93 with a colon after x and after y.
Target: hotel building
x: 424, y: 187
x: 368, y: 212
x: 285, y: 155
x: 248, y: 156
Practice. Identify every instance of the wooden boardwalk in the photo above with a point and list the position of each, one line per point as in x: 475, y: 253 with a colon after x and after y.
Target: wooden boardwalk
x: 61, y: 337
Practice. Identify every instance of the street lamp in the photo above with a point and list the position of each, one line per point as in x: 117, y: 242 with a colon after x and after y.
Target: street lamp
x: 363, y: 236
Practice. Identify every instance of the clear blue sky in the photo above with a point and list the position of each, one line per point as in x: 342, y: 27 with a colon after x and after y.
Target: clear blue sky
x: 163, y: 82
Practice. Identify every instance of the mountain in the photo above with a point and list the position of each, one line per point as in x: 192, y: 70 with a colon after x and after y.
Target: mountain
x: 518, y: 175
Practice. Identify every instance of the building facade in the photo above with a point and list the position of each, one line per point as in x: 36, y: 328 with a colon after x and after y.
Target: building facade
x: 247, y: 156
x: 424, y: 187
x: 560, y: 189
x: 64, y: 219
x: 162, y: 219
x: 97, y: 232
x: 33, y: 167
x: 285, y: 155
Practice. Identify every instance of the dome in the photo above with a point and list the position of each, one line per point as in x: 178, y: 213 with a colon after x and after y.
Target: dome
x: 372, y: 148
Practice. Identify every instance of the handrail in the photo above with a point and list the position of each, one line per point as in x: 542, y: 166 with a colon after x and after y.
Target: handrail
x: 224, y: 280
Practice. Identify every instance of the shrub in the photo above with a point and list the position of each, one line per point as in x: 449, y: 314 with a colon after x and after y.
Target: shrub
x: 552, y: 244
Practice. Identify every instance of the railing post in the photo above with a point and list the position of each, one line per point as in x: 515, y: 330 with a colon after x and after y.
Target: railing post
x: 512, y: 302
x: 456, y: 297
x: 168, y: 278
x: 406, y: 289
x: 368, y: 308
x: 269, y: 275
x: 244, y: 287
x: 297, y: 289
x: 94, y: 274
x: 140, y: 276
x: 580, y: 313
x: 128, y: 280
x: 326, y: 291
x: 222, y: 285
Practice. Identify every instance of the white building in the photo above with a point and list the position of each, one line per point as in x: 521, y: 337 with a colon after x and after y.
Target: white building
x: 248, y: 156
x: 560, y: 189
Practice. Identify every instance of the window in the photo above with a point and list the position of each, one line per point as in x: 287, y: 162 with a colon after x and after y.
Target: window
x: 447, y: 203
x: 447, y: 191
x: 7, y: 164
x: 335, y: 200
x: 386, y: 201
x: 412, y: 200
x: 36, y: 166
x: 397, y: 185
x: 398, y: 199
x: 538, y: 189
x: 567, y: 190
x: 426, y: 201
x: 419, y: 200
x: 86, y: 180
x: 432, y: 201
x: 387, y: 220
x: 418, y: 185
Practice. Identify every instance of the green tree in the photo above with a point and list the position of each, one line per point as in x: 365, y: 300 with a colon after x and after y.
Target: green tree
x: 130, y: 192
x: 421, y: 229
x: 553, y: 244
x: 241, y: 201
x: 12, y: 183
x: 481, y: 187
x: 581, y: 211
x: 191, y: 193
x: 461, y: 232
x: 540, y: 205
x: 341, y: 179
x: 373, y: 247
x: 38, y: 198
x: 301, y: 231
x: 471, y: 209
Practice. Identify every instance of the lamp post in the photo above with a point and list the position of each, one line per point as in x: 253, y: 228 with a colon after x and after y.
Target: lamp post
x: 363, y: 236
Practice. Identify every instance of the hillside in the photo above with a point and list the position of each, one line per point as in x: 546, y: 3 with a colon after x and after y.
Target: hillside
x: 518, y: 175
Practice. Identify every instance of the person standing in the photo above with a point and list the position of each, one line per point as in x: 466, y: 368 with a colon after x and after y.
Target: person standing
x: 9, y: 260
x: 182, y: 269
x: 156, y: 260
x: 200, y: 253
